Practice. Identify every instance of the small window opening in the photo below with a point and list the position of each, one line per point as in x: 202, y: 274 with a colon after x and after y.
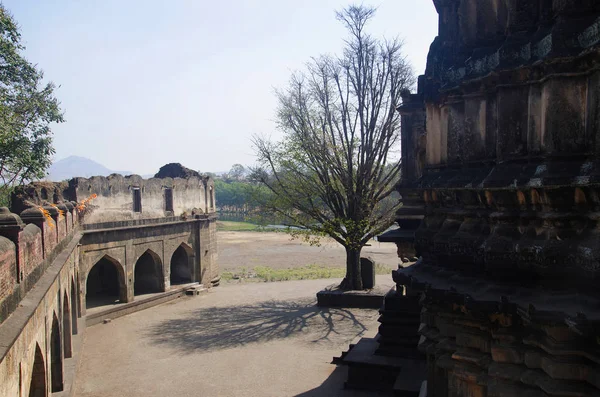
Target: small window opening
x: 169, y: 199
x: 137, y: 199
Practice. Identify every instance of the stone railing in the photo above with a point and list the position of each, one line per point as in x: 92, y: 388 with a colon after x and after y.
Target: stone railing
x: 28, y: 244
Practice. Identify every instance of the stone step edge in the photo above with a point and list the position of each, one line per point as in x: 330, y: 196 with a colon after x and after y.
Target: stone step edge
x: 135, y: 306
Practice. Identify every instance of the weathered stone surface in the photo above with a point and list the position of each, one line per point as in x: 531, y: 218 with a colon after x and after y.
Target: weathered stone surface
x: 175, y: 191
x: 176, y: 170
x: 508, y: 183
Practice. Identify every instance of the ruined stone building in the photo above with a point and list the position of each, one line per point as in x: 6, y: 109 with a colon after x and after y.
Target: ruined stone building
x: 114, y: 244
x: 500, y: 183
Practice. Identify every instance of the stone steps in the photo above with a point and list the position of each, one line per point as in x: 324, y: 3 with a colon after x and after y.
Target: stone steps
x: 390, y: 362
x: 370, y: 371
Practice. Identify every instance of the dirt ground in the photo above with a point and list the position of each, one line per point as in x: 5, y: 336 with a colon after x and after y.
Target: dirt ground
x: 255, y: 339
x: 277, y: 250
x: 265, y: 339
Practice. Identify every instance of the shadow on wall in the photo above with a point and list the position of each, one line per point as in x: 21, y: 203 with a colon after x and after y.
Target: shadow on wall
x: 218, y: 328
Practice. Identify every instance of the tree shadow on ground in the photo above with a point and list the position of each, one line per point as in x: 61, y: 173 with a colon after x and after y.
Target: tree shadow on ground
x: 216, y: 328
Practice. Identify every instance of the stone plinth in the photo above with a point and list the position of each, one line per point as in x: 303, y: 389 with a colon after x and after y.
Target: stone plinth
x: 332, y: 296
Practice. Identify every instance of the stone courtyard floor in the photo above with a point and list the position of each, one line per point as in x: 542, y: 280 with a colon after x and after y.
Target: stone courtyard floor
x: 258, y: 339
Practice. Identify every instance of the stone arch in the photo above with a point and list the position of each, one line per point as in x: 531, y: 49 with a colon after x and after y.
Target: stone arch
x: 74, y: 306
x: 66, y: 330
x: 147, y: 275
x: 105, y: 283
x: 56, y: 369
x: 44, y: 193
x: 37, y: 385
x: 181, y: 265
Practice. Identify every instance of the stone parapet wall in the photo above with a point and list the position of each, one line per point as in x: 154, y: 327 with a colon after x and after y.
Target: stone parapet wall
x: 31, y: 246
x: 37, y: 193
x: 34, y: 243
x: 132, y: 223
x: 8, y: 274
x: 115, y: 196
x: 38, y: 325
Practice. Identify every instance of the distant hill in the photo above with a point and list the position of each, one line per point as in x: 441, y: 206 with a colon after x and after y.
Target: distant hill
x: 73, y: 166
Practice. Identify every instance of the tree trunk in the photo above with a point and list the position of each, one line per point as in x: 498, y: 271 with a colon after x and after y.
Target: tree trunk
x: 353, y: 280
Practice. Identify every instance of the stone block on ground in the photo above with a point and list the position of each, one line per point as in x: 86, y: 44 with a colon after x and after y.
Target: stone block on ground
x: 367, y: 272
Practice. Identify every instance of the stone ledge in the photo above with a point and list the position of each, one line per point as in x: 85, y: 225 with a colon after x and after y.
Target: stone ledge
x: 123, y: 309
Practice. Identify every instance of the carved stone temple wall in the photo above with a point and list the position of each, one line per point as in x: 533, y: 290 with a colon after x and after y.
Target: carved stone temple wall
x: 505, y: 172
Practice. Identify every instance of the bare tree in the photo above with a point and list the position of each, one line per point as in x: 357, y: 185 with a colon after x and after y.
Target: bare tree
x: 334, y: 166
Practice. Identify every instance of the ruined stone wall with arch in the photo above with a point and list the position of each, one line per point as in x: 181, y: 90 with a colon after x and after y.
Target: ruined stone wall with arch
x: 42, y: 328
x: 52, y: 248
x: 124, y: 248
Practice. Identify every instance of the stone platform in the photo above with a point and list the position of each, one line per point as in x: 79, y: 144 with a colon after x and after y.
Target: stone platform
x: 332, y: 296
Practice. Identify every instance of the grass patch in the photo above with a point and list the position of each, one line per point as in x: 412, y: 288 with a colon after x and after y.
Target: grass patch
x: 310, y: 272
x: 229, y: 226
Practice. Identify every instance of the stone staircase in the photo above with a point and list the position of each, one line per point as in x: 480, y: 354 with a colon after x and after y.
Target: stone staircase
x: 390, y: 362
x: 400, y: 320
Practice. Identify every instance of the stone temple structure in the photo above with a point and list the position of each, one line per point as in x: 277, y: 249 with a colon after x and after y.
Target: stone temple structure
x: 501, y: 173
x: 86, y: 250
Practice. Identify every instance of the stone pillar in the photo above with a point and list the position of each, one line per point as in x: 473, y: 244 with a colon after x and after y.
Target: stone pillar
x: 129, y: 272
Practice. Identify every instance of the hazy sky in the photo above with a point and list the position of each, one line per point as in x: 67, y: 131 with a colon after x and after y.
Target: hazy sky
x: 148, y: 82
